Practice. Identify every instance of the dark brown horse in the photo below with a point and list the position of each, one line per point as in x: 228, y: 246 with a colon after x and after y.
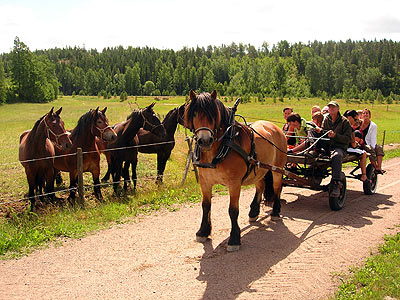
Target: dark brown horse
x: 37, y: 150
x: 92, y: 124
x: 124, y: 150
x: 225, y: 150
x: 161, y: 145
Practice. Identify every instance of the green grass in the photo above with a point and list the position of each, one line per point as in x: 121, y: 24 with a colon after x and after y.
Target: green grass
x: 21, y: 232
x: 378, y: 278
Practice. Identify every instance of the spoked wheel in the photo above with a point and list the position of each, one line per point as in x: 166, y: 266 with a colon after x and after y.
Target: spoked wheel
x: 369, y: 185
x: 337, y: 203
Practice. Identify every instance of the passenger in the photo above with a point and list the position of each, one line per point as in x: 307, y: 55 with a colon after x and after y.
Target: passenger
x: 359, y: 114
x: 315, y: 109
x: 290, y: 140
x: 352, y: 116
x: 339, y: 132
x: 325, y: 110
x: 317, y: 119
x: 369, y: 130
x: 298, y: 126
x: 356, y: 146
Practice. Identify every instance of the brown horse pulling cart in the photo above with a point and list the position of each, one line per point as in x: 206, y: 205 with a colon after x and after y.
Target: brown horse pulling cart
x: 234, y: 154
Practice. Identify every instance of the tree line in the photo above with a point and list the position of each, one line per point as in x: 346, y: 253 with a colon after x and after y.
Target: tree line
x: 366, y: 70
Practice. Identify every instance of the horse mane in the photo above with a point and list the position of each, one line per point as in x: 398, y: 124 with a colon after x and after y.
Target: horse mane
x: 210, y: 107
x: 172, y: 111
x: 134, y: 113
x: 32, y: 134
x: 83, y: 122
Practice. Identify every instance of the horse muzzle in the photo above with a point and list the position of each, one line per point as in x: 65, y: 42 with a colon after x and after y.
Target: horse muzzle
x: 205, y: 141
x: 109, y: 136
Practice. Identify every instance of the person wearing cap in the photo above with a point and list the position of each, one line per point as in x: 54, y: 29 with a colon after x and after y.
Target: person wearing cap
x: 339, y: 133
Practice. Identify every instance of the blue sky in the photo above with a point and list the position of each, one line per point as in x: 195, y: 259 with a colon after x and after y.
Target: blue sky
x: 178, y: 23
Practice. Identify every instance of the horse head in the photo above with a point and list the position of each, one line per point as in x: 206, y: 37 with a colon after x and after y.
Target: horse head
x: 205, y: 116
x: 55, y: 129
x: 101, y: 127
x: 151, y: 122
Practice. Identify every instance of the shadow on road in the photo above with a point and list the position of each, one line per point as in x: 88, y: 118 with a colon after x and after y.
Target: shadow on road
x: 266, y: 243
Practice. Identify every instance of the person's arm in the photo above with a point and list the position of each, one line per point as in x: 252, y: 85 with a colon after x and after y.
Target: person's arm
x: 370, y: 139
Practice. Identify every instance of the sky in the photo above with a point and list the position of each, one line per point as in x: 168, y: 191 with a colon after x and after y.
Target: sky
x: 174, y: 24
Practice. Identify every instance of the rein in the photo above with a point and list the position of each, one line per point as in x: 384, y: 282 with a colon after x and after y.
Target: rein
x: 57, y: 136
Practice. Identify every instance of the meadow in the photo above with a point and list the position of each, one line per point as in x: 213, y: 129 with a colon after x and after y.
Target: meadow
x: 20, y: 231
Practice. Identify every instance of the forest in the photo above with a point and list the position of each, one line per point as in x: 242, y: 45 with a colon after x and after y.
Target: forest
x: 364, y: 70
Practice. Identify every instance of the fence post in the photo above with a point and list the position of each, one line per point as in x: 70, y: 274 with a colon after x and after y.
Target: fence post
x: 79, y: 157
x: 189, y: 160
x: 383, y: 140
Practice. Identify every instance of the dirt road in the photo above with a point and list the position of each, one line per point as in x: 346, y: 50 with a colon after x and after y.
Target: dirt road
x: 156, y: 257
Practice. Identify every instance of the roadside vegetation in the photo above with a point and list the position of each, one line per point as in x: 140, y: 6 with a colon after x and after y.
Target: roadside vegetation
x: 379, y: 278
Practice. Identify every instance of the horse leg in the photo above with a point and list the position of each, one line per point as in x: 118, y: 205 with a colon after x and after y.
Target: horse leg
x: 96, y: 183
x: 72, y: 193
x: 58, y: 177
x: 277, y: 188
x: 134, y: 176
x: 255, y: 204
x: 107, y: 175
x: 205, y: 227
x: 50, y: 184
x: 125, y: 174
x: 116, y: 174
x: 269, y: 189
x: 234, y: 238
x: 161, y: 163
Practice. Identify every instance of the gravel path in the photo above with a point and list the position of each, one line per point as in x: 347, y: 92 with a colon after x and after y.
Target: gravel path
x: 156, y: 257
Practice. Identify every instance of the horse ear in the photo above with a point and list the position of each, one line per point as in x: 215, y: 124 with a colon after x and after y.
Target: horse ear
x: 104, y: 110
x: 58, y: 112
x: 151, y: 106
x: 214, y: 94
x: 51, y: 111
x: 97, y: 109
x: 192, y: 95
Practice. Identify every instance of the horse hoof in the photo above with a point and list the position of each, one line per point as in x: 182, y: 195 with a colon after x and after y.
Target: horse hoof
x: 276, y: 218
x: 201, y: 239
x: 233, y: 248
x: 254, y: 219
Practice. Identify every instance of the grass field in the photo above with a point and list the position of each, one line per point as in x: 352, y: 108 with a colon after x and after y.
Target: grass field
x: 20, y: 232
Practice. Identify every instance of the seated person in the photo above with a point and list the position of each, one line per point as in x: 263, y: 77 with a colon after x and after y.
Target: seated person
x: 338, y: 130
x: 315, y: 109
x: 286, y: 113
x: 317, y: 119
x: 357, y: 148
x: 369, y: 130
x: 353, y: 118
x: 297, y: 127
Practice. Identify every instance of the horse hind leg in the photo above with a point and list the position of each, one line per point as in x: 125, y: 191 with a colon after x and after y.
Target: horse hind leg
x: 255, y: 204
x: 277, y: 190
x: 161, y: 163
x: 269, y: 188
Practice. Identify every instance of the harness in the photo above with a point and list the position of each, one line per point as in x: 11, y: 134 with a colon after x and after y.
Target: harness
x: 228, y: 144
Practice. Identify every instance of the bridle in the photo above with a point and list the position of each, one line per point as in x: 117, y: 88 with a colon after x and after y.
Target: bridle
x: 102, y: 130
x: 145, y: 121
x: 57, y: 136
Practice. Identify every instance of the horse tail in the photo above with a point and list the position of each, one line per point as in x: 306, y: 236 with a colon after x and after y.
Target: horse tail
x: 269, y: 188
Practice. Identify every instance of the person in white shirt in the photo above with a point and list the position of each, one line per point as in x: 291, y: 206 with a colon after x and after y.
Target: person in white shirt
x: 370, y: 130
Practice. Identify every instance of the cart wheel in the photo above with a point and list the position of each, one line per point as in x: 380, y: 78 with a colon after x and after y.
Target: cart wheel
x: 337, y: 203
x: 369, y: 186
